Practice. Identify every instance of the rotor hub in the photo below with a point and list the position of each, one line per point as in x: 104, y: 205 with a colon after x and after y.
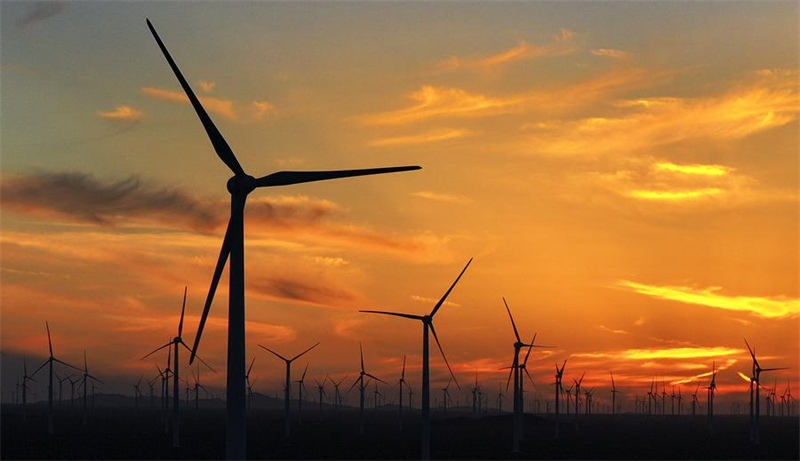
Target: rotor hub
x: 241, y: 184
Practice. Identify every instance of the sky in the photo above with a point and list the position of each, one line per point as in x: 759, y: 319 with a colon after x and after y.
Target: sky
x: 625, y: 174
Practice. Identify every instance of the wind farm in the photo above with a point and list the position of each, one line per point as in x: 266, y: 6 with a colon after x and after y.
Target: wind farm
x: 578, y: 206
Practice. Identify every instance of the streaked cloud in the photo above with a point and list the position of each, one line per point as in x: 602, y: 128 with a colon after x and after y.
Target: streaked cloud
x: 768, y: 99
x: 616, y: 331
x: 432, y: 302
x: 679, y: 353
x: 695, y: 169
x: 674, y: 195
x: 706, y: 376
x: 610, y: 53
x: 39, y: 11
x: 437, y: 197
x: 767, y: 307
x: 560, y: 45
x: 261, y: 108
x: 318, y: 292
x: 121, y: 113
x: 219, y: 106
x: 421, y: 138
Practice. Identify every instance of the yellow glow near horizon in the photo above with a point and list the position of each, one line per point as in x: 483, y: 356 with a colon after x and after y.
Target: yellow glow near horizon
x: 674, y: 196
x: 701, y: 170
x: 679, y: 353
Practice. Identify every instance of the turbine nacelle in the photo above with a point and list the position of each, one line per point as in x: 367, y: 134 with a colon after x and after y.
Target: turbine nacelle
x: 241, y: 184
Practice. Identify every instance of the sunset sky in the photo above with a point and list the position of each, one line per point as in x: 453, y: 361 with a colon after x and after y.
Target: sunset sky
x: 625, y: 174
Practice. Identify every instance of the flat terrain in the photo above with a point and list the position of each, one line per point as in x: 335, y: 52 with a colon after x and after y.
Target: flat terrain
x: 122, y: 433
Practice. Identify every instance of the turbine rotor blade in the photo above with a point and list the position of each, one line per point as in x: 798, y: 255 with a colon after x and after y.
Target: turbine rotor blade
x: 66, y: 364
x: 396, y: 314
x: 183, y: 309
x: 221, y: 261
x: 285, y: 178
x: 153, y: 352
x: 198, y: 358
x: 49, y: 341
x: 302, y: 353
x: 221, y: 146
x: 403, y: 375
x: 447, y: 293
x: 375, y: 378
x: 433, y: 330
x: 516, y: 333
x: 275, y: 353
x: 361, y: 349
x: 252, y: 362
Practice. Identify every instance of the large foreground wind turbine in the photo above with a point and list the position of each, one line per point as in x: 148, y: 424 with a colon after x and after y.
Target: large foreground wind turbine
x: 427, y: 324
x: 50, y: 361
x: 288, y: 389
x: 239, y: 186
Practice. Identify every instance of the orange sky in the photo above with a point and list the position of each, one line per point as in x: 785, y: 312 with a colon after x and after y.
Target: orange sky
x: 627, y: 179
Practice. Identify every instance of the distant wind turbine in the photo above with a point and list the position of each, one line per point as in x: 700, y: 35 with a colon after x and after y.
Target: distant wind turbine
x: 757, y: 370
x: 51, y: 360
x: 361, y: 387
x: 427, y: 324
x: 288, y: 386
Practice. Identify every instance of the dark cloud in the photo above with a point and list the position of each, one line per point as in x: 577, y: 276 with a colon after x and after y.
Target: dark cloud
x: 40, y: 11
x: 296, y: 290
x: 81, y: 197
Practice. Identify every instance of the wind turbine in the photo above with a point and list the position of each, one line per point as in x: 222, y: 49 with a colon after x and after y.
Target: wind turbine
x: 400, y: 384
x: 578, y: 394
x: 694, y: 400
x: 84, y: 380
x: 559, y: 375
x: 61, y: 387
x: 757, y: 370
x: 712, y: 387
x: 137, y: 393
x: 25, y: 379
x: 522, y: 367
x: 301, y: 384
x: 321, y: 390
x: 175, y: 342
x: 614, y: 392
x: 239, y: 186
x: 51, y: 360
x: 249, y: 384
x: 427, y: 324
x: 500, y: 397
x: 446, y: 395
x: 361, y: 387
x: 337, y: 395
x: 288, y: 388
x: 197, y: 387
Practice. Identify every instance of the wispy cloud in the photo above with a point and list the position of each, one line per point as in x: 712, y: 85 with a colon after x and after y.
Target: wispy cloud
x: 616, y: 331
x: 610, y: 53
x: 768, y: 99
x: 219, y: 106
x: 767, y: 307
x: 422, y: 138
x: 121, y: 113
x: 674, y: 195
x: 318, y: 293
x: 430, y: 102
x: 39, y: 11
x: 437, y: 197
x: 560, y: 45
x: 81, y: 197
x: 695, y: 169
x: 432, y: 302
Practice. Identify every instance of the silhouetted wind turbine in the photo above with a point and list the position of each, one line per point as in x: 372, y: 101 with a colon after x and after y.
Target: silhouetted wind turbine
x: 559, y: 375
x: 694, y: 401
x: 337, y: 394
x: 25, y: 379
x: 61, y: 387
x: 249, y: 385
x: 361, y: 387
x: 757, y: 370
x: 51, y: 360
x: 175, y: 342
x: 197, y: 387
x: 614, y: 392
x: 288, y: 388
x: 86, y: 376
x: 137, y: 393
x: 400, y: 384
x: 321, y: 390
x: 712, y: 387
x: 301, y: 385
x: 239, y: 186
x: 446, y: 395
x: 427, y: 324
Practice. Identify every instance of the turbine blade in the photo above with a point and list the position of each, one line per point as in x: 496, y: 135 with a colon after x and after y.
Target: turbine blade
x: 403, y: 375
x: 183, y: 309
x: 252, y: 362
x: 303, y: 377
x: 774, y: 369
x: 221, y: 261
x: 40, y: 367
x: 153, y: 352
x: 510, y: 372
x: 376, y: 378
x: 447, y: 293
x: 66, y: 364
x: 303, y: 353
x: 433, y: 330
x: 285, y: 178
x: 396, y: 314
x: 528, y: 354
x: 354, y: 384
x: 274, y: 353
x: 49, y: 341
x: 361, y: 349
x: 516, y: 333
x: 198, y: 358
x: 221, y: 147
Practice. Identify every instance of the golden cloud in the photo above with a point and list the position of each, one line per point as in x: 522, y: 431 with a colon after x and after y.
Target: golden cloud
x: 433, y: 136
x: 440, y: 197
x: 121, y: 113
x: 560, y: 45
x: 767, y: 307
x: 219, y: 106
x: 610, y: 53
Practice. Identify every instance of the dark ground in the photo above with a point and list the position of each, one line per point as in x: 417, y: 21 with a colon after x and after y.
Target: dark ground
x: 121, y: 433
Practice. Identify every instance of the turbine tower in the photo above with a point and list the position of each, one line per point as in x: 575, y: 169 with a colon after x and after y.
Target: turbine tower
x: 288, y: 386
x: 427, y: 324
x: 239, y: 186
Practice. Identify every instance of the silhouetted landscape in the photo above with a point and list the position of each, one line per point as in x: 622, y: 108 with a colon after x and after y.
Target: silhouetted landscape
x: 121, y: 433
